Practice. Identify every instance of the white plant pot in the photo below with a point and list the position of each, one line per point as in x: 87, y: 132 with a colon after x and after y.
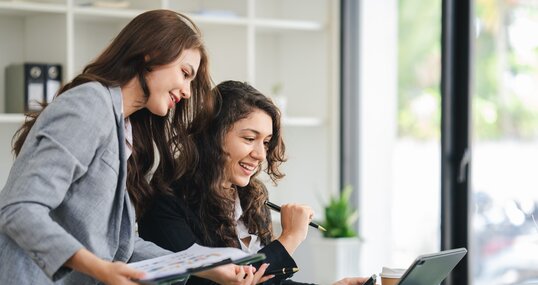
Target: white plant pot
x: 335, y: 258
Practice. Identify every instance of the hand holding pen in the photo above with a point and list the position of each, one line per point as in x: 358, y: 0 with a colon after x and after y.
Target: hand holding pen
x: 277, y: 208
x: 295, y: 219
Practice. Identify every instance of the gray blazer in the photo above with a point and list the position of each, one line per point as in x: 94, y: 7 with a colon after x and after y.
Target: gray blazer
x: 66, y: 191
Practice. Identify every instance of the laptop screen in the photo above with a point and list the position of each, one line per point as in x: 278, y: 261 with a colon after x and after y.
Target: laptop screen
x: 431, y: 269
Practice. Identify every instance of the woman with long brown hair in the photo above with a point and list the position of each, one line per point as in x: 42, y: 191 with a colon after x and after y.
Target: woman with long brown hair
x: 219, y: 201
x: 66, y: 211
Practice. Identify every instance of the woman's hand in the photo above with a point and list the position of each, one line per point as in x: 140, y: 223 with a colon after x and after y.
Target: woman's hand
x: 351, y: 281
x: 119, y: 273
x: 295, y: 219
x: 254, y: 276
x: 110, y: 273
x: 232, y: 274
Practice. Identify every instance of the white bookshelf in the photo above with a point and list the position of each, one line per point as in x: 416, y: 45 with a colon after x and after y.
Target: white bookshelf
x: 18, y: 119
x: 11, y: 119
x: 264, y: 42
x: 287, y: 25
x: 97, y: 14
x: 302, y: 121
x: 27, y: 8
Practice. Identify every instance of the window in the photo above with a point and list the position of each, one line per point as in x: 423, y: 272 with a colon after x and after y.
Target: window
x: 400, y: 145
x: 505, y: 143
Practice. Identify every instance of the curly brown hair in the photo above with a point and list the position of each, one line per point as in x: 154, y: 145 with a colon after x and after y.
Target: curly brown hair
x: 151, y: 39
x: 202, y: 185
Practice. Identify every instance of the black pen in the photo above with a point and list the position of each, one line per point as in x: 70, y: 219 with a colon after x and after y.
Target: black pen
x: 282, y: 271
x: 370, y: 281
x: 275, y: 207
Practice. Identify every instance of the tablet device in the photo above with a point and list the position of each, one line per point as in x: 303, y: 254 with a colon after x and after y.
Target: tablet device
x: 431, y: 269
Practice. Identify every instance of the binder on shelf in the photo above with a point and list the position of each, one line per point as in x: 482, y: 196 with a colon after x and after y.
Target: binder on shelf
x: 28, y: 85
x: 53, y: 81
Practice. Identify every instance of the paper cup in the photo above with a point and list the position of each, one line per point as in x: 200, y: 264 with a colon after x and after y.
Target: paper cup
x: 391, y: 276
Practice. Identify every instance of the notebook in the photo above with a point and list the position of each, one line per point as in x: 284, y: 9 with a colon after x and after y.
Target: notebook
x: 196, y: 258
x: 431, y: 269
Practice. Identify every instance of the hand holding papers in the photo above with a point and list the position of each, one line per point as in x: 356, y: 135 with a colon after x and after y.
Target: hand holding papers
x: 195, y: 259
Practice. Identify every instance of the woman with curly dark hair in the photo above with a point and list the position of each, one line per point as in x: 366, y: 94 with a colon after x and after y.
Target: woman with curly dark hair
x: 219, y: 202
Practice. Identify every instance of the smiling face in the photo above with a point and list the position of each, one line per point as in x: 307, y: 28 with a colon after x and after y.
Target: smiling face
x: 169, y: 83
x: 246, y: 145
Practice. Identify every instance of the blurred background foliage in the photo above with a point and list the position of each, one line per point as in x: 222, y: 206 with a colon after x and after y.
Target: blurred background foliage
x: 505, y: 99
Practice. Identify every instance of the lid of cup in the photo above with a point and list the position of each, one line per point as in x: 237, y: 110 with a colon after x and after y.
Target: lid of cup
x: 391, y: 272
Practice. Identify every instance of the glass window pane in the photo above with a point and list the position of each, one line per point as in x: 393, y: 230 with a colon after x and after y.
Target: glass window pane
x: 505, y: 143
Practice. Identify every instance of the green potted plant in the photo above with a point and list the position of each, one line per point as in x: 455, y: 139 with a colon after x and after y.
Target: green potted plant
x: 340, y: 216
x: 336, y: 254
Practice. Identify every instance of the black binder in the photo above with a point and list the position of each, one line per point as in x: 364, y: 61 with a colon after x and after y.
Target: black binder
x: 29, y: 85
x: 53, y: 81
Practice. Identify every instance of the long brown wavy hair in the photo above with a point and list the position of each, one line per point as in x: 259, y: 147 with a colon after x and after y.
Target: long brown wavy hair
x: 151, y: 39
x: 202, y: 185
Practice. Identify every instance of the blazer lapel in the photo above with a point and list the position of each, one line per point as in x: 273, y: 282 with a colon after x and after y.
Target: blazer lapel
x: 115, y: 94
x: 123, y: 202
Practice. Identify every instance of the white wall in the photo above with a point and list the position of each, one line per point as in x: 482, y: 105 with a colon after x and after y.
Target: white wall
x: 378, y: 108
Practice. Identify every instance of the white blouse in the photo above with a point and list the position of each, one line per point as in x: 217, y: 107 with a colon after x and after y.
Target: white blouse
x: 128, y: 138
x: 242, y: 232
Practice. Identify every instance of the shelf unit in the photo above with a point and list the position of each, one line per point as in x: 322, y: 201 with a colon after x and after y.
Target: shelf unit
x: 17, y: 119
x: 263, y: 42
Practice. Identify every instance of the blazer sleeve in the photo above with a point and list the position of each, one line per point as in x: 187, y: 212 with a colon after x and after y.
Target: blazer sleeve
x: 56, y: 153
x: 166, y: 224
x: 277, y: 257
x: 145, y: 250
x: 169, y: 224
